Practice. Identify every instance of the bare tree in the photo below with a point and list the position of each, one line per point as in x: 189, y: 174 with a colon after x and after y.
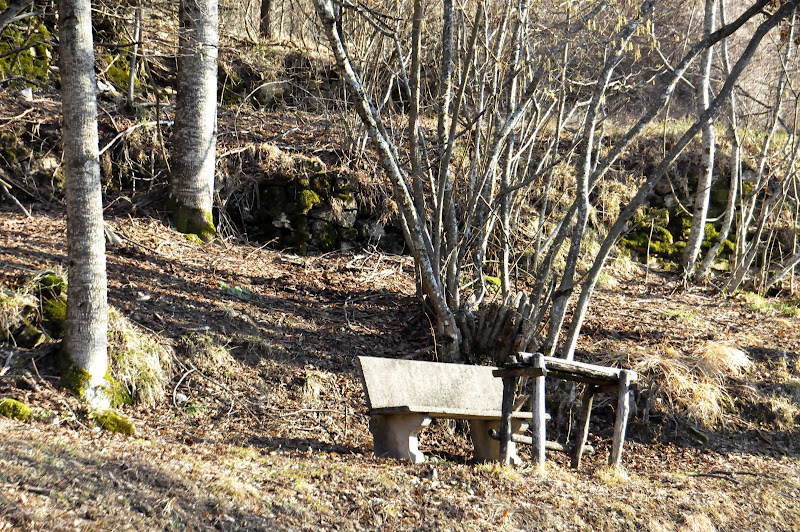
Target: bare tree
x: 499, y: 85
x: 195, y: 139
x: 85, y: 337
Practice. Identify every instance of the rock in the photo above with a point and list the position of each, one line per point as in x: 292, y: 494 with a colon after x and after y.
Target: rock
x: 371, y: 231
x: 29, y: 336
x: 272, y: 92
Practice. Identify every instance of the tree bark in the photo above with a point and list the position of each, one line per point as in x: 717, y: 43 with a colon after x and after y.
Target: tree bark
x: 85, y: 336
x: 265, y: 27
x: 194, y: 154
x: 703, y: 193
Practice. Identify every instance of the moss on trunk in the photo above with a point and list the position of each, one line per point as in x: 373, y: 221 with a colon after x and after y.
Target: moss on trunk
x: 193, y: 221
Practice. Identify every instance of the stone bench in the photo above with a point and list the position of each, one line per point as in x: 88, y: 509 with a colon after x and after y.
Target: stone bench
x: 403, y: 396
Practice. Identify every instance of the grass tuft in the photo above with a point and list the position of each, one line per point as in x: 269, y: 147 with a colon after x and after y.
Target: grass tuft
x: 208, y: 353
x: 770, y: 307
x: 140, y: 362
x: 692, y: 384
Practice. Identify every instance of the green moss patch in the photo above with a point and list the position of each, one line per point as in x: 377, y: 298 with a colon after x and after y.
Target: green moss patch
x: 306, y: 199
x: 14, y: 409
x: 28, y: 336
x: 50, y: 284
x: 113, y: 421
x: 193, y: 221
x: 72, y: 377
x: 32, y: 59
x: 54, y: 316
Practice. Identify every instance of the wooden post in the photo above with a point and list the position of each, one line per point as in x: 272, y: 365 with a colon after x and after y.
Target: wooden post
x: 621, y: 423
x: 509, y: 390
x: 583, y: 425
x: 538, y: 428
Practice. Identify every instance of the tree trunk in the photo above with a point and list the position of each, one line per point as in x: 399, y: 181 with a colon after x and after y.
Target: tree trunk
x: 736, y: 161
x: 85, y: 336
x: 266, y: 18
x: 194, y: 153
x: 418, y: 236
x: 703, y: 194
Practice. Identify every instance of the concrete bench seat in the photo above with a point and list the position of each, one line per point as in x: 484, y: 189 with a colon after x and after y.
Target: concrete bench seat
x: 403, y: 396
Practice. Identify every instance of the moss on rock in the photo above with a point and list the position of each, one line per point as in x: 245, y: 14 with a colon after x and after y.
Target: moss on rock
x: 328, y: 236
x: 14, y: 409
x: 28, y: 62
x: 113, y: 421
x: 28, y: 336
x: 306, y: 199
x: 54, y: 316
x: 50, y: 285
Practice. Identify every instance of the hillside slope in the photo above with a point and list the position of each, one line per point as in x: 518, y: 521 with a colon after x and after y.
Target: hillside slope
x: 264, y: 428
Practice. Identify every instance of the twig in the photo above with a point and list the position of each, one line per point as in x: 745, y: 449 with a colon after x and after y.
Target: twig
x: 7, y: 365
x: 7, y: 193
x: 313, y: 411
x: 722, y: 475
x: 748, y: 473
x: 18, y: 117
x: 131, y: 129
x: 180, y: 381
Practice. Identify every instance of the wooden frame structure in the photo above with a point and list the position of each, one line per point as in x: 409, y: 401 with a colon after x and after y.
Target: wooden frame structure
x: 620, y: 382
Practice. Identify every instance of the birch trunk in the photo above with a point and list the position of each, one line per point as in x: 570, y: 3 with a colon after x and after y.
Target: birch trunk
x: 85, y: 336
x: 736, y: 162
x: 703, y: 193
x: 194, y: 154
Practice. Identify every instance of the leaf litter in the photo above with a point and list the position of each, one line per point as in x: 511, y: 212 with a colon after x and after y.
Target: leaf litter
x: 263, y: 424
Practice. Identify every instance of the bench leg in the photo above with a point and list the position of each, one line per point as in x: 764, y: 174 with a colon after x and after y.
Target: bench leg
x: 486, y: 448
x: 621, y: 423
x: 583, y: 425
x: 395, y: 436
x: 539, y: 419
x: 506, y: 445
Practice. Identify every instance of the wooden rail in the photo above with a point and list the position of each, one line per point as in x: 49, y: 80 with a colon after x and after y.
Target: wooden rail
x: 597, y: 379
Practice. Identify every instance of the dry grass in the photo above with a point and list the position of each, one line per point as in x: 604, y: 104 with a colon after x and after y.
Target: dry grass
x: 694, y: 384
x: 139, y: 361
x: 15, y: 307
x: 208, y: 353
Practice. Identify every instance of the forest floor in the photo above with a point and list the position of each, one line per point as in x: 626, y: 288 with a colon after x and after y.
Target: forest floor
x: 268, y: 430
